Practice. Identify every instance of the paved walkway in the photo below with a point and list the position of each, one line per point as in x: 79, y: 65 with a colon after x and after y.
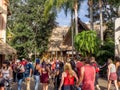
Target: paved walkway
x: 102, y: 83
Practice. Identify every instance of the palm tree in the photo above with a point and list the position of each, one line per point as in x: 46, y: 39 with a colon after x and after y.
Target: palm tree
x: 76, y: 16
x: 101, y: 21
x: 72, y: 5
x: 90, y: 3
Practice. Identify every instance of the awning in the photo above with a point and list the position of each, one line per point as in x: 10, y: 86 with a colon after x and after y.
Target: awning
x: 6, y: 49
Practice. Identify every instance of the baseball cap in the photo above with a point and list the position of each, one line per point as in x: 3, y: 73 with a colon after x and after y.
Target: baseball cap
x: 37, y: 60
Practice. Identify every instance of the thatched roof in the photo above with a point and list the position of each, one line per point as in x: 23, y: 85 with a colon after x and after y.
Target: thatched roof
x: 56, y: 38
x: 6, y: 49
x: 68, y: 40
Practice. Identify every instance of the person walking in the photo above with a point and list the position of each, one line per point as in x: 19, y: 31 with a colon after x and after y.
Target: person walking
x: 111, y: 74
x: 14, y: 65
x: 20, y: 73
x: 97, y: 69
x: 28, y: 73
x: 7, y: 72
x: 68, y: 78
x: 87, y: 77
x: 37, y: 70
x: 57, y: 79
x: 45, y: 77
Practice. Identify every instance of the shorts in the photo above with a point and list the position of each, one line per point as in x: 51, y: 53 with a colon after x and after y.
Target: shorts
x: 66, y: 87
x: 113, y: 76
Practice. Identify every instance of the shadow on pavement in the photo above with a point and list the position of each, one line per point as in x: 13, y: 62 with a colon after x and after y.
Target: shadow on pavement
x: 103, y: 88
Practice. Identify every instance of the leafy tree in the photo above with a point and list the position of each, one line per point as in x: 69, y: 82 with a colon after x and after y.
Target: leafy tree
x: 87, y: 43
x: 30, y: 27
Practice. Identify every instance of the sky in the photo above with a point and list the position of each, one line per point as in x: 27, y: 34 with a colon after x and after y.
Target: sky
x: 64, y: 20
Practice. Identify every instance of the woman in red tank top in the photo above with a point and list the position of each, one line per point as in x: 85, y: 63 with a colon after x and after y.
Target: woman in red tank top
x: 68, y: 77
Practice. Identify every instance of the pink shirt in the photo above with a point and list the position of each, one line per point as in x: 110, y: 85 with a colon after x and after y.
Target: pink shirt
x: 89, y: 78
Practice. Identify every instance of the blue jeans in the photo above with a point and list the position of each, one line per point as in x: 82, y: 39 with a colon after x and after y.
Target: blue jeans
x: 37, y: 81
x: 79, y: 88
x: 66, y: 87
x: 20, y: 84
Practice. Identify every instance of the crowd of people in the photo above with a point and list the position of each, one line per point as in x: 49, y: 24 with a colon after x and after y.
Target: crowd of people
x: 65, y: 75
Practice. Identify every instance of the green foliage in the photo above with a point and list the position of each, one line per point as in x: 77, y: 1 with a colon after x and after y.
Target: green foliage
x: 87, y: 42
x: 105, y: 51
x: 116, y: 3
x: 67, y: 5
x: 29, y: 25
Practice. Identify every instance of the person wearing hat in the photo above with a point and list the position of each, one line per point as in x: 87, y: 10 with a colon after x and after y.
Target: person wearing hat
x: 24, y: 62
x: 20, y: 73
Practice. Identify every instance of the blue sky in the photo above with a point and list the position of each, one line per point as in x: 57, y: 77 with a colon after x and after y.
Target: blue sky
x: 64, y: 20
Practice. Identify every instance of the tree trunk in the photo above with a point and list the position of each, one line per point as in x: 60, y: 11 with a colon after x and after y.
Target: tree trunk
x: 72, y: 34
x: 101, y: 21
x: 76, y: 17
x: 90, y: 2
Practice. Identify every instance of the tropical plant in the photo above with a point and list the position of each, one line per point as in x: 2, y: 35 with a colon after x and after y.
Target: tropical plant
x: 105, y: 51
x: 87, y: 43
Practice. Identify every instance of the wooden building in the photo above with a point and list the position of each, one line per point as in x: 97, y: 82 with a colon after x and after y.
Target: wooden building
x: 55, y: 49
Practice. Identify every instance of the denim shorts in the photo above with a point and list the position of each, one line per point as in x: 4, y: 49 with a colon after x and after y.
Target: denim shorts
x: 66, y: 87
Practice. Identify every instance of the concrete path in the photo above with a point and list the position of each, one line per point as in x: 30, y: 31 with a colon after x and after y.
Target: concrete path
x: 102, y: 83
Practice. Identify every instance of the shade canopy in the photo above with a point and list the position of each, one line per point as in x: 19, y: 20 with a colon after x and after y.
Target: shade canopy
x: 6, y: 49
